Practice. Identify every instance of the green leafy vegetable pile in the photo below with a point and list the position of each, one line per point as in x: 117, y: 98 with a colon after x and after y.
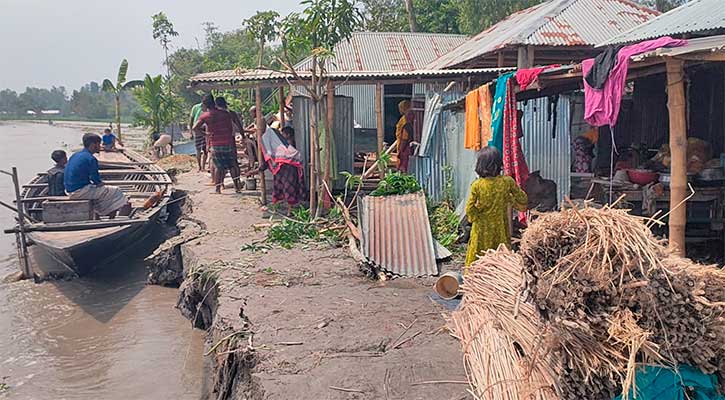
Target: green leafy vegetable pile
x: 444, y: 224
x: 396, y: 183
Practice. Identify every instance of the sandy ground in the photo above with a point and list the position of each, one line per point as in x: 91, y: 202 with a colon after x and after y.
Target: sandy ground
x: 320, y: 329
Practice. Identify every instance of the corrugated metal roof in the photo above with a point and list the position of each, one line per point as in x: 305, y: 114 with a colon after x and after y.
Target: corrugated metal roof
x: 396, y: 234
x: 262, y: 75
x: 388, y: 51
x: 692, y: 17
x: 553, y: 23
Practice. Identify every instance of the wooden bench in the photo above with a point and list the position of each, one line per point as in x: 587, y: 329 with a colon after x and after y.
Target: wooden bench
x: 67, y: 211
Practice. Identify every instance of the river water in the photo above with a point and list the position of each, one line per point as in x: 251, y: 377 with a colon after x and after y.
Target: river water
x: 104, y: 336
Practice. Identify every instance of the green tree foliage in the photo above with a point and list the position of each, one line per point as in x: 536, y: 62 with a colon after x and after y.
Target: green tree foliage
x: 118, y: 88
x: 385, y: 16
x: 477, y: 15
x: 163, y: 31
x: 158, y: 106
x: 662, y: 5
x: 262, y: 28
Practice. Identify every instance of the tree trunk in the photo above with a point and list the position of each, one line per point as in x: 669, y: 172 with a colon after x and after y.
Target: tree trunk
x: 261, y: 54
x: 411, y: 15
x: 328, y: 133
x: 678, y: 150
x: 260, y: 124
x: 118, y: 116
x: 314, y: 148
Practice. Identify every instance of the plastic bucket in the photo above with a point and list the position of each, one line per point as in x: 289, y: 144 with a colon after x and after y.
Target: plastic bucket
x: 448, y: 286
x: 250, y: 184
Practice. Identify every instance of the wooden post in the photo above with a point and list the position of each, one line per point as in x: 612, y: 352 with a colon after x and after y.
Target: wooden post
x: 281, y: 108
x: 500, y: 61
x: 525, y: 57
x: 328, y: 132
x: 23, y: 244
x: 379, y: 120
x: 678, y: 149
x: 261, y: 125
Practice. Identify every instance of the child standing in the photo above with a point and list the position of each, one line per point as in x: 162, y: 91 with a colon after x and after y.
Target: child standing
x: 487, y: 206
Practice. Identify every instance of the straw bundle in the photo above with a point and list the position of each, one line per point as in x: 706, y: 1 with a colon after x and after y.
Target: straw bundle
x: 502, y: 346
x: 612, y: 297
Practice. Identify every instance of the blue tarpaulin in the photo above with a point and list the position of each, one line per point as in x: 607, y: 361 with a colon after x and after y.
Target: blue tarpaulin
x: 687, y: 383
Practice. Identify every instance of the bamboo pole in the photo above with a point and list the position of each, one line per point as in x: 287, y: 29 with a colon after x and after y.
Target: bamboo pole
x: 678, y: 149
x: 379, y: 119
x: 328, y: 132
x: 23, y: 250
x: 260, y: 126
x: 281, y: 108
x: 500, y: 59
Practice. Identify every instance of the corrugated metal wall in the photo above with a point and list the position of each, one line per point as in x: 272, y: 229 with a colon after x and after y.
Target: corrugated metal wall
x: 343, y: 132
x: 363, y: 104
x: 430, y: 171
x: 545, y: 151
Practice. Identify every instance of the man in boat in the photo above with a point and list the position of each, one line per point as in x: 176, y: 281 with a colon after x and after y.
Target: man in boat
x: 83, y: 181
x: 110, y: 140
x: 220, y: 130
x: 56, y: 186
x: 199, y: 137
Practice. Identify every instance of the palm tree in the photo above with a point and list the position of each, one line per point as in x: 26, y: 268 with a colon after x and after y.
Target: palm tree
x: 119, y: 87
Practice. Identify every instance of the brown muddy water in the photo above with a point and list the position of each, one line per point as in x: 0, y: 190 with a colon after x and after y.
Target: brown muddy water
x: 104, y: 336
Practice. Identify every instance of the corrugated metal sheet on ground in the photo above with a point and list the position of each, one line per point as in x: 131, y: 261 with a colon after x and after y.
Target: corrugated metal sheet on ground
x: 388, y: 51
x: 544, y: 151
x: 396, y: 234
x: 692, y: 17
x: 553, y: 23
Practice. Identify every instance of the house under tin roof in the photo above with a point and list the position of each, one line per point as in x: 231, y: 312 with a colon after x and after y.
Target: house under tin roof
x: 695, y: 18
x: 388, y: 51
x: 557, y: 31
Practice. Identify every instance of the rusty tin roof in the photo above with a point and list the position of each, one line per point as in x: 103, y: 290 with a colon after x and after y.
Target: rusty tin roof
x: 698, y: 16
x: 388, y: 51
x: 553, y: 23
x: 396, y: 234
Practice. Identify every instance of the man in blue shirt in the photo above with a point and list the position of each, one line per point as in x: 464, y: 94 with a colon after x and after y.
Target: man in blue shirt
x: 109, y: 140
x: 83, y: 182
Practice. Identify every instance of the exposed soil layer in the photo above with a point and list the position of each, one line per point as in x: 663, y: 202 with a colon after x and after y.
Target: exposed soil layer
x: 304, y: 323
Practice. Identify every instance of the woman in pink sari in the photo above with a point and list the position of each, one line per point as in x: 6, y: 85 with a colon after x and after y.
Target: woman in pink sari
x: 285, y: 163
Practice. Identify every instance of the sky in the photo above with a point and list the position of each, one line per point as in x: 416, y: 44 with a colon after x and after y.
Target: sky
x: 69, y: 43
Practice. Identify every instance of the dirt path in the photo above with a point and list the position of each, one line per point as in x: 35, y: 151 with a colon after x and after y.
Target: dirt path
x: 320, y: 330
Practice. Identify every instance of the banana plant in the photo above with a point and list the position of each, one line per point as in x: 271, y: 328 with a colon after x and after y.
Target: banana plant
x: 119, y: 87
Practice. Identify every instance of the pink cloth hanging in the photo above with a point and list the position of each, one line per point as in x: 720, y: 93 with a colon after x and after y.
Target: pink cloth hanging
x: 514, y: 162
x: 601, y: 106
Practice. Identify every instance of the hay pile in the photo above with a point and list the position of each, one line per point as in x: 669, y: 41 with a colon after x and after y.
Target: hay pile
x: 500, y: 337
x: 610, y: 297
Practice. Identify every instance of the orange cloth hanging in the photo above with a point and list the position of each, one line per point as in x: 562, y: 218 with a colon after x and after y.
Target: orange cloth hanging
x: 485, y: 102
x: 472, y: 137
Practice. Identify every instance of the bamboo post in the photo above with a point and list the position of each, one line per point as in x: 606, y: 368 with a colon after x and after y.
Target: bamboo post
x: 23, y: 250
x: 328, y: 131
x: 281, y: 108
x: 260, y: 126
x: 678, y: 149
x: 379, y: 118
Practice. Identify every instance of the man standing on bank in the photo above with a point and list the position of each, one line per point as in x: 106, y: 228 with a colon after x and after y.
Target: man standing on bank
x: 82, y: 181
x: 220, y: 129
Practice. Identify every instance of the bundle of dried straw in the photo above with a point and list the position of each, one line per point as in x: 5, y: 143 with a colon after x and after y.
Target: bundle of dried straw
x: 607, y: 294
x: 501, y: 339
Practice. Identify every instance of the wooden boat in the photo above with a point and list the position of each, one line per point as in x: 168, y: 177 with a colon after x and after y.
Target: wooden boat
x: 82, y: 245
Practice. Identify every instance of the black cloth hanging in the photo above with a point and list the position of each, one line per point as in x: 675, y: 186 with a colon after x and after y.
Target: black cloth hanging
x: 603, y: 64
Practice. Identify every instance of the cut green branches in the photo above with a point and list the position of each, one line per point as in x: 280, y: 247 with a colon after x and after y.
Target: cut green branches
x: 396, y: 183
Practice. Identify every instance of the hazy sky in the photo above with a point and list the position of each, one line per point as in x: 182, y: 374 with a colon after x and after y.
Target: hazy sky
x: 72, y: 42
